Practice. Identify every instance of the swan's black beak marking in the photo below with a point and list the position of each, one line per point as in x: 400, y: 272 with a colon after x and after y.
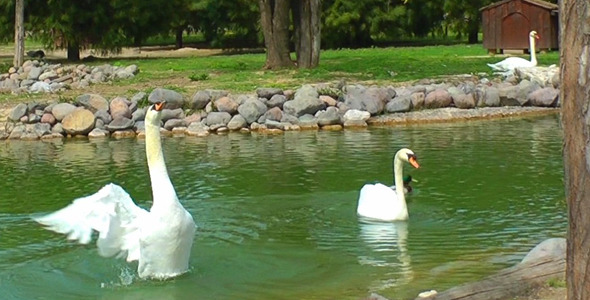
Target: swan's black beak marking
x: 158, y: 106
x: 413, y: 161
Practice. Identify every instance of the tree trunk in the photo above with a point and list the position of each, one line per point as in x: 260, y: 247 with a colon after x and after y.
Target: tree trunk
x: 179, y: 32
x: 306, y: 18
x: 73, y: 52
x: 274, y: 16
x: 575, y: 99
x: 473, y: 31
x: 19, y: 33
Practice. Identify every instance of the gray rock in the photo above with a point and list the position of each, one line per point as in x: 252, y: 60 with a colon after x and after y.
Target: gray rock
x: 139, y: 126
x: 104, y: 116
x: 553, y: 247
x: 61, y: 110
x: 41, y: 129
x: 306, y: 101
x: 173, y: 123
x: 93, y: 102
x: 237, y: 122
x: 200, y: 99
x: 465, y: 101
x: 308, y: 121
x: 17, y: 132
x: 168, y: 114
x: 437, y: 99
x: 546, y: 97
x: 138, y: 115
x: 491, y: 97
x: 38, y: 87
x: 289, y: 119
x: 274, y: 114
x: 80, y: 121
x: 215, y: 118
x: 34, y: 73
x: 58, y: 128
x: 18, y: 112
x: 173, y: 99
x: 123, y: 74
x: 252, y: 109
x: 100, y: 124
x: 399, y: 104
x: 371, y: 99
x: 119, y: 107
x: 49, y: 74
x: 197, y: 129
x: 29, y: 82
x: 33, y: 118
x: 511, y: 96
x: 133, y: 69
x: 139, y: 96
x: 329, y: 116
x: 226, y: 104
x: 98, y: 133
x: 356, y: 115
x: 276, y: 101
x: 119, y: 123
x: 268, y: 92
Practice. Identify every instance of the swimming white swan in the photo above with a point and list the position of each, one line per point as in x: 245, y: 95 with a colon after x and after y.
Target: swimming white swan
x: 380, y: 202
x: 511, y: 63
x: 160, y: 239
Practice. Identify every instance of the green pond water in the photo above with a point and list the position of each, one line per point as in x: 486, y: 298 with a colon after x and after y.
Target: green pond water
x: 277, y: 214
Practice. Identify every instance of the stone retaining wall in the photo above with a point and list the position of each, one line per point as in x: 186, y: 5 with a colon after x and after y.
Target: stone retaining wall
x: 272, y: 110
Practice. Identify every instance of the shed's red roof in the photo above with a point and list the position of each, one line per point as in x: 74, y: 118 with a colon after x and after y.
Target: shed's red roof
x: 541, y: 3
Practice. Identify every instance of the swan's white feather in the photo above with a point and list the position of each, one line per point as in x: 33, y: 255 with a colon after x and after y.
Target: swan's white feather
x: 110, y: 212
x: 511, y: 63
x: 378, y: 201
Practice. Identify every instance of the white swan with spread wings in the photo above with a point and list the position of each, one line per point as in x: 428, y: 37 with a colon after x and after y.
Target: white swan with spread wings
x: 160, y: 240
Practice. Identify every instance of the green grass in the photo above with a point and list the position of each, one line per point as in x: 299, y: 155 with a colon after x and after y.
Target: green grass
x: 243, y: 73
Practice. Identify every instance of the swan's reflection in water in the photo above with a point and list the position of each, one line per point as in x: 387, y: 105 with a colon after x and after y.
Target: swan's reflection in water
x: 387, y: 247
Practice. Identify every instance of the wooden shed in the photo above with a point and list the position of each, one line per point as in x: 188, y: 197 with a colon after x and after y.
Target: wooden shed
x: 506, y: 25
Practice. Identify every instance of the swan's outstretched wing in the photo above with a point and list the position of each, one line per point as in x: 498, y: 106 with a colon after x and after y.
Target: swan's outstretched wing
x: 111, y: 212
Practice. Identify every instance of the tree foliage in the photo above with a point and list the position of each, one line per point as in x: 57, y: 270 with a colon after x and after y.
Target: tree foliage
x: 108, y: 25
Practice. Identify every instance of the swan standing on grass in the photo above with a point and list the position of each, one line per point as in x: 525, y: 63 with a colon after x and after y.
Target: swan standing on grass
x: 380, y: 202
x: 511, y: 63
x: 160, y: 239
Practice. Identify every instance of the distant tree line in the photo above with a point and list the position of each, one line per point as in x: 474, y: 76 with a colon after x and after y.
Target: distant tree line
x: 109, y: 25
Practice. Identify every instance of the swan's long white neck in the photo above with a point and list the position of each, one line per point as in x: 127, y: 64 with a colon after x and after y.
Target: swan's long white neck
x: 532, y: 50
x: 162, y: 189
x: 398, y: 169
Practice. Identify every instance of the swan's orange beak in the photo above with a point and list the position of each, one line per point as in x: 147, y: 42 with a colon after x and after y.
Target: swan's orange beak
x: 413, y: 162
x: 538, y: 37
x: 159, y: 106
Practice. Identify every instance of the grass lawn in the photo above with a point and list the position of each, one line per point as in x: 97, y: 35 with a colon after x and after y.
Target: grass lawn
x: 243, y: 73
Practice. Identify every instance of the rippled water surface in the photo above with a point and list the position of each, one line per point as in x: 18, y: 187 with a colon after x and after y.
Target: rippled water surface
x: 276, y: 214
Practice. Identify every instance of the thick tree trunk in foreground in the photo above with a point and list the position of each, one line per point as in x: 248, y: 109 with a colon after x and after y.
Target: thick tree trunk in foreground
x: 575, y: 99
x: 274, y: 16
x: 306, y: 18
x: 19, y: 33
